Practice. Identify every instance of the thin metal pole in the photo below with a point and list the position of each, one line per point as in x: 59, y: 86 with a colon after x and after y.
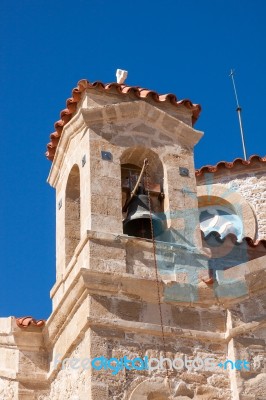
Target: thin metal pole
x: 239, y: 109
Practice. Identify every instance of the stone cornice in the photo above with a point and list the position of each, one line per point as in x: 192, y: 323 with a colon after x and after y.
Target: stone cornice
x: 155, y: 329
x: 180, y: 132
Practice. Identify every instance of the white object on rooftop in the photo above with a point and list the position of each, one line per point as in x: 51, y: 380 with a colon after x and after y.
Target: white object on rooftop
x: 121, y: 75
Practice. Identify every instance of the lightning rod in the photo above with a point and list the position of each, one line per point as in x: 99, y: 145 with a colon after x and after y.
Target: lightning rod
x: 239, y: 109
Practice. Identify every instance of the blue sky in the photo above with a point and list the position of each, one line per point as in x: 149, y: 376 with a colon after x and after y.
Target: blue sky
x: 46, y: 47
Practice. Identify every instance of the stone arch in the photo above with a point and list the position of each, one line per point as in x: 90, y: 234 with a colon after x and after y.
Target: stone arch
x: 136, y: 156
x: 72, y: 213
x: 150, y: 389
x: 221, y: 195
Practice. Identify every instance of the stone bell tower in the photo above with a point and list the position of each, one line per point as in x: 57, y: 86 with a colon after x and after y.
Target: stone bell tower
x: 119, y: 291
x: 113, y: 130
x: 161, y: 279
x: 104, y: 298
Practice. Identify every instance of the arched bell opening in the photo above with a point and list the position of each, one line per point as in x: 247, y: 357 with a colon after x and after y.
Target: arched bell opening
x: 72, y: 213
x: 142, y: 193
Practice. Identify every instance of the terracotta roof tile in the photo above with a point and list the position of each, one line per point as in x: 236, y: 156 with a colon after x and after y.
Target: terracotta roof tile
x: 25, y: 322
x: 245, y: 240
x: 229, y: 165
x: 122, y: 89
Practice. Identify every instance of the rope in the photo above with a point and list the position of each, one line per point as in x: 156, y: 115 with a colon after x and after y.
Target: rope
x: 156, y: 271
x: 132, y: 194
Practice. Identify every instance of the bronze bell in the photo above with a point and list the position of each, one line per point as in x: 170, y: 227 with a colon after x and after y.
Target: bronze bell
x: 137, y: 222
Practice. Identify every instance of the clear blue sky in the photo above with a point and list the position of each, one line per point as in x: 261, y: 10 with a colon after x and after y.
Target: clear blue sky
x: 46, y: 47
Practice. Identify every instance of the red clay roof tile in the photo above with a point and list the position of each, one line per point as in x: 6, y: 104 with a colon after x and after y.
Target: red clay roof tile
x: 229, y: 165
x: 245, y: 240
x: 122, y: 89
x: 24, y: 322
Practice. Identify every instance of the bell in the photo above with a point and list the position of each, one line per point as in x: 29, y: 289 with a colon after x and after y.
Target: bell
x: 137, y: 222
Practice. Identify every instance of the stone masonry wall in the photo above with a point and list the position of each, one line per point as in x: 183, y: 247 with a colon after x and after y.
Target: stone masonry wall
x: 195, y: 384
x: 253, y: 188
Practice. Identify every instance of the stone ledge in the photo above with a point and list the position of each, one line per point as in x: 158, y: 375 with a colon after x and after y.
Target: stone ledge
x: 154, y: 329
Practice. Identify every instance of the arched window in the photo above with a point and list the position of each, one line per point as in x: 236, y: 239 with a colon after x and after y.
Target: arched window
x: 72, y: 213
x: 218, y: 215
x: 222, y: 220
x: 243, y: 215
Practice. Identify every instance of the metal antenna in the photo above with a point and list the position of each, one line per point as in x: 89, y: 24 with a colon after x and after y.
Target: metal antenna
x: 239, y: 109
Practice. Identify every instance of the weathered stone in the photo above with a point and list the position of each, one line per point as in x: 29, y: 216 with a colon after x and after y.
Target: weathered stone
x: 256, y: 386
x: 183, y: 390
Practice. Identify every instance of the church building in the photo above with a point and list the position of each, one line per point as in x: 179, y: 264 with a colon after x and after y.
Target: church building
x: 160, y: 288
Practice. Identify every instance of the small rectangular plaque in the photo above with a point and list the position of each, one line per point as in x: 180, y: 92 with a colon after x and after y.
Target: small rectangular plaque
x: 60, y: 204
x: 106, y: 155
x: 183, y: 171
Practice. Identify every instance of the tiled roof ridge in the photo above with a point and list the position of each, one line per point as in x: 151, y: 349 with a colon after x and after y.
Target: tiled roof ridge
x: 141, y: 93
x: 25, y: 322
x: 229, y: 165
x: 249, y: 241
